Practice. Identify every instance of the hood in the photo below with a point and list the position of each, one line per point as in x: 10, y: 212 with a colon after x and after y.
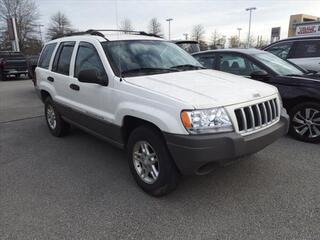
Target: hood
x: 204, y: 88
x: 305, y: 80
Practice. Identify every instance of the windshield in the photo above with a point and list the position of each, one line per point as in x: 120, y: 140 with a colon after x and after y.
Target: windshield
x: 278, y: 65
x: 146, y: 57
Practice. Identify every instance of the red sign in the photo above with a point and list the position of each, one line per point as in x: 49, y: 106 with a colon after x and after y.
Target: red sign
x: 308, y: 29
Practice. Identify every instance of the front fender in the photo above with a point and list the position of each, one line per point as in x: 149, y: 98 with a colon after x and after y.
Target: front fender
x: 167, y: 120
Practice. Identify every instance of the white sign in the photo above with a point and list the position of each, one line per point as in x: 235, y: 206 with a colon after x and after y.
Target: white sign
x: 308, y: 29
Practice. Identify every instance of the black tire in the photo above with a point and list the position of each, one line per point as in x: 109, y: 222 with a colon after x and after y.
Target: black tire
x: 2, y: 77
x: 168, y: 175
x: 61, y: 127
x: 300, y: 122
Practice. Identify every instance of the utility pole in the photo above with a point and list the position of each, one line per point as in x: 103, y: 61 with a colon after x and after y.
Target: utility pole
x: 39, y: 30
x: 186, y: 35
x: 239, y: 30
x: 169, y: 21
x: 250, y: 15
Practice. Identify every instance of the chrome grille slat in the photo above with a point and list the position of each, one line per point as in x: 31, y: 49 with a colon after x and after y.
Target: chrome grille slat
x: 274, y: 109
x: 265, y: 113
x: 257, y: 116
x: 252, y: 117
x: 245, y: 127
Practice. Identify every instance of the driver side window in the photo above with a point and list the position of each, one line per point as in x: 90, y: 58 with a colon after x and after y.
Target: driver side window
x: 237, y: 65
x: 281, y: 50
x: 88, y: 58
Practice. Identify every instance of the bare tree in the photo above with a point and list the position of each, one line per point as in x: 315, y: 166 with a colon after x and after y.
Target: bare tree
x: 215, y: 39
x: 234, y: 41
x: 155, y: 27
x: 198, y: 32
x: 59, y: 26
x: 26, y: 14
x: 126, y: 25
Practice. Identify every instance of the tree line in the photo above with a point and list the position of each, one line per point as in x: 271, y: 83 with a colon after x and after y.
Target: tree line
x: 30, y: 36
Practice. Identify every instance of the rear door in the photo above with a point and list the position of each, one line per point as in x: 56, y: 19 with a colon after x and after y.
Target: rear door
x: 60, y: 77
x: 306, y: 54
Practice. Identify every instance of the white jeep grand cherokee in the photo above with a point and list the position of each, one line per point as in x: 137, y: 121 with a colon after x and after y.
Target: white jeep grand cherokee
x: 149, y: 96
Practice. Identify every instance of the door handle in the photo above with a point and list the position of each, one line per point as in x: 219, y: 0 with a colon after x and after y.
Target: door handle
x: 74, y: 87
x: 50, y: 79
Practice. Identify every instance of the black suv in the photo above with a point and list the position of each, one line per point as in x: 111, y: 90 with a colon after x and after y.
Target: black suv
x: 299, y: 89
x: 12, y: 63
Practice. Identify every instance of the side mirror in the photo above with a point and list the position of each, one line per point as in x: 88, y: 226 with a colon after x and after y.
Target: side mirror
x: 261, y: 75
x: 92, y: 76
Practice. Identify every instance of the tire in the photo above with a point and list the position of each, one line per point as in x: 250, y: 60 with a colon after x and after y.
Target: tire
x: 305, y: 122
x: 57, y: 126
x: 167, y: 178
x: 2, y: 77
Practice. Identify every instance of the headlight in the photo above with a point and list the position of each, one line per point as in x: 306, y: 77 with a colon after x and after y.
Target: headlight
x: 206, y: 121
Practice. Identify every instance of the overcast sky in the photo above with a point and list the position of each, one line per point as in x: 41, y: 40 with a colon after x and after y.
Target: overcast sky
x: 224, y: 16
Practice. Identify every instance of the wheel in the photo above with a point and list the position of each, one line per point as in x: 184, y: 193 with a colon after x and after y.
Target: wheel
x: 150, y: 162
x: 305, y: 122
x: 57, y: 126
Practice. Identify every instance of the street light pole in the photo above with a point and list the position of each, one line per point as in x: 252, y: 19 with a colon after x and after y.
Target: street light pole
x: 186, y: 35
x: 239, y: 30
x: 250, y: 10
x: 169, y: 20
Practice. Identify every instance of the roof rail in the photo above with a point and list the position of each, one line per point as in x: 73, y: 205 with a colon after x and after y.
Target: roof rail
x: 97, y: 32
x: 126, y: 31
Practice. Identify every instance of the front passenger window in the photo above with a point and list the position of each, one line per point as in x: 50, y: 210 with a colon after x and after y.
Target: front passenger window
x: 281, y: 50
x: 88, y: 58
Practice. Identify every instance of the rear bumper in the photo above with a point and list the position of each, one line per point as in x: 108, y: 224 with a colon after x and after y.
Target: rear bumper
x: 14, y: 72
x: 198, y: 154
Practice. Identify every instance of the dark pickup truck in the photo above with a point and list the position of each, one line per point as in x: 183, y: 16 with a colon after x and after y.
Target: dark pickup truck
x: 12, y: 63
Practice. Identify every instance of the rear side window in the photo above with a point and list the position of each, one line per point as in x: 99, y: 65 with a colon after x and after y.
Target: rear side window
x: 88, y: 58
x: 61, y: 63
x: 281, y: 50
x: 207, y: 60
x: 306, y: 49
x: 46, y: 54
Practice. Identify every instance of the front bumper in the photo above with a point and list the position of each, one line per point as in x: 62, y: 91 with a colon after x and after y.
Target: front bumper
x: 198, y: 154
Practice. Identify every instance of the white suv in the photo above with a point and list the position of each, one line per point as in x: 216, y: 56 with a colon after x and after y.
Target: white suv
x: 149, y: 96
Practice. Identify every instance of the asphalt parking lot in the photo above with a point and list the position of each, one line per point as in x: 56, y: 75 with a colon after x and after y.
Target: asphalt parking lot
x: 79, y: 187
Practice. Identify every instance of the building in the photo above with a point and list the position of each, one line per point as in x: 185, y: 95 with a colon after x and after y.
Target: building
x: 302, y: 24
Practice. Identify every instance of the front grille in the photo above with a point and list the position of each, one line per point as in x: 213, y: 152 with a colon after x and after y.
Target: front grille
x: 257, y: 116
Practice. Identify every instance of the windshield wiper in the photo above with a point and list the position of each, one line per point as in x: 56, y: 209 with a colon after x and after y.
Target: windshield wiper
x: 294, y: 75
x: 148, y: 70
x: 187, y: 66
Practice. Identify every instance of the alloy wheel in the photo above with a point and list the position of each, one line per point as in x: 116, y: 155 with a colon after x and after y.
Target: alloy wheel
x: 146, y: 162
x: 306, y: 122
x: 51, y: 117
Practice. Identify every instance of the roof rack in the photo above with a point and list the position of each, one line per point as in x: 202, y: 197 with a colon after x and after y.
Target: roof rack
x: 125, y: 31
x: 97, y: 32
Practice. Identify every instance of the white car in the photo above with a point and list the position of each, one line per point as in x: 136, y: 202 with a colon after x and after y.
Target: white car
x: 149, y: 96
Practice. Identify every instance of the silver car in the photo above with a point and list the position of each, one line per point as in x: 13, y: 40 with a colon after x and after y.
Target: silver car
x: 304, y: 51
